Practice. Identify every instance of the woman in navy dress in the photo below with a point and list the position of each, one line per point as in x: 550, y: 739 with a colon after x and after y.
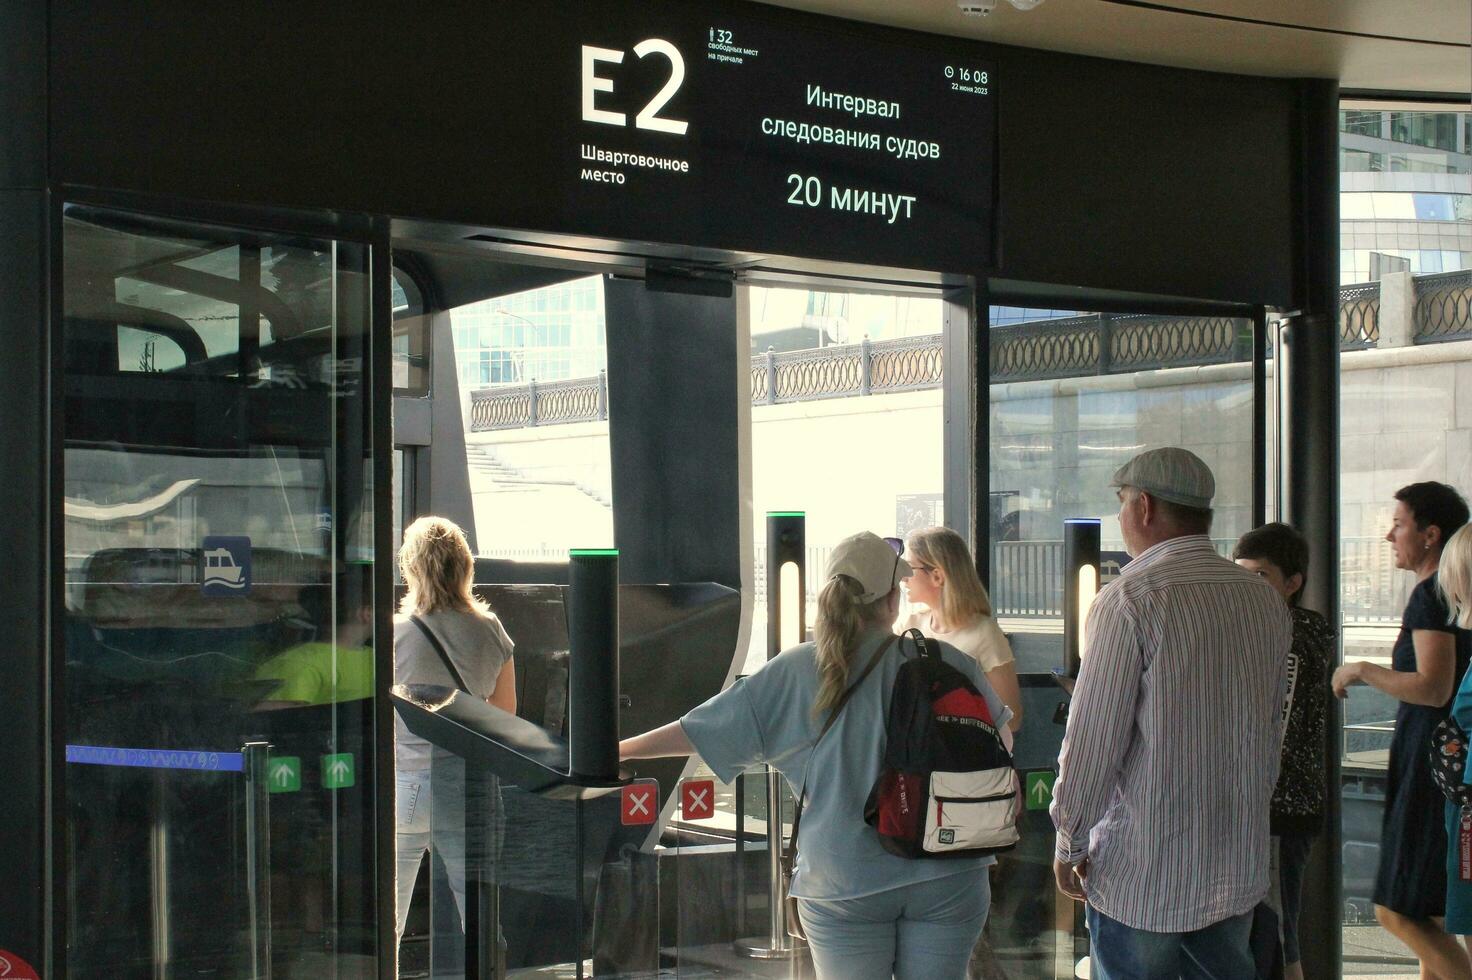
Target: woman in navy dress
x: 1427, y: 665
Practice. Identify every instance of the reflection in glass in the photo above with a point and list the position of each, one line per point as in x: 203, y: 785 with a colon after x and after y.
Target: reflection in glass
x: 218, y: 609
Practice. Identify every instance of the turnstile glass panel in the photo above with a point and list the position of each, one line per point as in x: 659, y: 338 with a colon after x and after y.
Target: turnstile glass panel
x: 719, y: 875
x: 521, y: 885
x: 216, y: 694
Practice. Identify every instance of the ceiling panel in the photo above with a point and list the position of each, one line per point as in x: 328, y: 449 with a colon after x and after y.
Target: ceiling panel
x: 1376, y: 45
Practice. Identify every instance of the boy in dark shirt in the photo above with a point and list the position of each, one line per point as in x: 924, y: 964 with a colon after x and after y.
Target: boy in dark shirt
x: 1280, y: 555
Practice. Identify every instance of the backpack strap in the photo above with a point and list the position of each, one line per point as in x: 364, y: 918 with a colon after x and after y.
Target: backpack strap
x: 924, y: 645
x: 791, y: 848
x: 439, y: 648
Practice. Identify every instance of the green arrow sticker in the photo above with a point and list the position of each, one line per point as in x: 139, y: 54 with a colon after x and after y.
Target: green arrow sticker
x: 284, y: 774
x: 337, y: 771
x: 1040, y: 788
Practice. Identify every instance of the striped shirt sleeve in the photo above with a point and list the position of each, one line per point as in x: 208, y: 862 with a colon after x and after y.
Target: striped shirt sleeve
x: 1101, y: 725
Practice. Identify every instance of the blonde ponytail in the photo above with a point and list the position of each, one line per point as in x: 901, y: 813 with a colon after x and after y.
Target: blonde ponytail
x: 841, y: 618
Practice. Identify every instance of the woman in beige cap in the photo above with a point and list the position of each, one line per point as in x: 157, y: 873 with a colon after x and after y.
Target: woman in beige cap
x: 816, y: 715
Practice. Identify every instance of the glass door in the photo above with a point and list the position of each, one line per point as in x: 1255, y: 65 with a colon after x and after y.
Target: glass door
x: 1073, y: 396
x: 216, y: 694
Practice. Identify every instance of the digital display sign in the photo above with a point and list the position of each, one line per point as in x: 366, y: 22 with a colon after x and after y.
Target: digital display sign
x: 720, y: 125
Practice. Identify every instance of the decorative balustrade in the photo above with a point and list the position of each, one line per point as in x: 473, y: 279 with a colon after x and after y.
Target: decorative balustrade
x: 1047, y: 349
x: 849, y: 369
x: 1027, y: 580
x: 1443, y: 307
x: 539, y: 403
x: 1027, y: 577
x: 1359, y: 316
x: 1070, y: 347
x: 1106, y: 344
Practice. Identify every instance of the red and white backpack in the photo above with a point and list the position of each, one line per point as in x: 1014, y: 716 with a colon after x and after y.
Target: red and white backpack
x: 947, y: 787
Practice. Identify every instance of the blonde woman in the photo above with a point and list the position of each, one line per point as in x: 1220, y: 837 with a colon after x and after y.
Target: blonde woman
x: 869, y: 914
x: 1454, y: 582
x: 949, y: 603
x: 438, y: 568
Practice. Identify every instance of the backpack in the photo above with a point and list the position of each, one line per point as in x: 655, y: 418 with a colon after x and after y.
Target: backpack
x: 947, y: 787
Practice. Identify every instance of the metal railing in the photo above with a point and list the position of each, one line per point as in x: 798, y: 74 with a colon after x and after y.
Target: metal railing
x: 1078, y: 346
x: 1103, y: 343
x: 1359, y: 316
x: 539, y: 403
x: 1027, y: 577
x: 865, y: 368
x: 1027, y: 580
x: 1443, y: 307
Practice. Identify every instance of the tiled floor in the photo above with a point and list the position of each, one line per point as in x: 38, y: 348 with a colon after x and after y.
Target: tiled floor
x: 1370, y: 951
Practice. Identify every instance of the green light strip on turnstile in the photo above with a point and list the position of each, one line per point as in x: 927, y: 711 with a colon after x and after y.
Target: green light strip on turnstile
x: 786, y: 513
x: 594, y: 553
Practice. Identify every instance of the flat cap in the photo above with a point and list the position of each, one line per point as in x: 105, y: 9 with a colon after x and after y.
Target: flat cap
x: 1173, y: 474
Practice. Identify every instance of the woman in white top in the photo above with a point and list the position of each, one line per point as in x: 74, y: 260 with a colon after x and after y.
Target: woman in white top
x: 949, y: 603
x: 438, y: 570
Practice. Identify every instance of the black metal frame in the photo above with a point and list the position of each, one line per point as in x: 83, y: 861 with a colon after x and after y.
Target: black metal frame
x: 966, y: 438
x: 1259, y: 416
x: 1310, y: 462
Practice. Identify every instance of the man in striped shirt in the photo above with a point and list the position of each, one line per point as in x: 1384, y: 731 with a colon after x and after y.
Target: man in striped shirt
x: 1172, y: 747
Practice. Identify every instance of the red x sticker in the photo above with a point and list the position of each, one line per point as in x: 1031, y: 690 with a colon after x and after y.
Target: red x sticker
x: 697, y: 799
x: 639, y: 803
x: 12, y: 967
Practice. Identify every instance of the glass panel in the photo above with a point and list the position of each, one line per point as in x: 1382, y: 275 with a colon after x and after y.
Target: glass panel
x: 411, y: 337
x: 1399, y: 424
x: 218, y: 606
x: 830, y: 370
x: 723, y: 892
x: 1070, y: 401
x: 403, y: 497
x: 1433, y: 207
x: 1381, y: 450
x: 534, y: 365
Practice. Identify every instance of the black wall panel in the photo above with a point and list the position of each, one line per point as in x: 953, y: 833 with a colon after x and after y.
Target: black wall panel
x: 675, y: 378
x: 25, y: 447
x: 1157, y: 180
x: 1111, y: 175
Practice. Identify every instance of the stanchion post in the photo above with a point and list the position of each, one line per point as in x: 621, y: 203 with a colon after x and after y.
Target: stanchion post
x: 592, y: 633
x: 258, y: 855
x: 1080, y: 585
x: 786, y: 626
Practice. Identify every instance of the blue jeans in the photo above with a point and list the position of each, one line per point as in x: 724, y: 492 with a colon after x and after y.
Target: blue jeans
x: 1219, y: 951
x: 916, y: 932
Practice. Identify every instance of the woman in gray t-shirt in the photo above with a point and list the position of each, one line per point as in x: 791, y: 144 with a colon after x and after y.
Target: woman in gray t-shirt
x: 869, y: 914
x: 438, y: 569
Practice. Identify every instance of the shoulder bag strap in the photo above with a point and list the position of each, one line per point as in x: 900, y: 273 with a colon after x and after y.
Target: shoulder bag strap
x: 439, y: 648
x: 832, y: 717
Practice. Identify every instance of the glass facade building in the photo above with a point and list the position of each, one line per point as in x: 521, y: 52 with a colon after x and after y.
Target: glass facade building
x: 547, y: 334
x: 1405, y: 193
